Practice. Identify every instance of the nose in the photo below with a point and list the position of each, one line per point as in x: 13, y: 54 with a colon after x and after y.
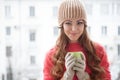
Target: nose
x: 74, y: 28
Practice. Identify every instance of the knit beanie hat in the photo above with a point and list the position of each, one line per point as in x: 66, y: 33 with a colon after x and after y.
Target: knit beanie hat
x: 71, y: 9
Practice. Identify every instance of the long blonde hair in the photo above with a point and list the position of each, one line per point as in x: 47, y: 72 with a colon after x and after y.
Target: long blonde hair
x: 93, y: 61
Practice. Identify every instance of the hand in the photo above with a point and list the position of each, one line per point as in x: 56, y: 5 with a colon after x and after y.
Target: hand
x: 80, y: 68
x: 69, y: 64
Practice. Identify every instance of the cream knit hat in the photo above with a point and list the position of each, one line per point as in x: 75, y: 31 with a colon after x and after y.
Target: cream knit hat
x: 71, y: 9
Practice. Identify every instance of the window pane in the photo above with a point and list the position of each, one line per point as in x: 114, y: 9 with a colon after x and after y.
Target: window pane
x: 118, y: 9
x: 9, y: 73
x: 32, y: 79
x: 32, y: 36
x: 89, y: 8
x: 89, y: 29
x: 8, y: 51
x: 104, y: 30
x: 3, y: 77
x: 32, y: 11
x: 55, y: 31
x: 104, y: 9
x: 8, y: 30
x: 7, y: 11
x: 106, y: 47
x: 55, y: 9
x: 118, y: 30
x: 32, y: 59
x: 118, y: 49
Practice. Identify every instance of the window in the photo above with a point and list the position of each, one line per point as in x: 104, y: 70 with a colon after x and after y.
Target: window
x: 104, y: 9
x: 113, y: 8
x: 8, y: 51
x: 105, y: 47
x: 7, y: 11
x: 32, y: 59
x: 8, y: 30
x: 119, y: 49
x: 9, y: 75
x: 104, y: 30
x: 32, y: 11
x: 89, y: 29
x: 118, y: 9
x: 89, y: 8
x: 118, y: 30
x: 32, y: 79
x: 55, y: 31
x: 55, y: 9
x: 3, y: 77
x: 32, y: 35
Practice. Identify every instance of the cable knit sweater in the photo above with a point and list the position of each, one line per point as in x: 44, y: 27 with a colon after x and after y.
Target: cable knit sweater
x: 48, y: 64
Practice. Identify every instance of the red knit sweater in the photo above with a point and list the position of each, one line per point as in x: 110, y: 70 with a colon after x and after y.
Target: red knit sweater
x: 48, y: 64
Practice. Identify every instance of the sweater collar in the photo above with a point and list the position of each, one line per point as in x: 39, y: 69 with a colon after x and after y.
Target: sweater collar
x: 74, y: 47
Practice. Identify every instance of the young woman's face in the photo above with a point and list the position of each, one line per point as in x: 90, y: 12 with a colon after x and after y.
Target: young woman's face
x: 73, y: 29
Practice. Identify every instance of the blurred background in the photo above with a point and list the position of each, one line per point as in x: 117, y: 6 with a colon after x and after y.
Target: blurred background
x: 29, y: 28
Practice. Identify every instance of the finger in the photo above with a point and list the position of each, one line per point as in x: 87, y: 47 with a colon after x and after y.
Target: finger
x: 68, y: 56
x: 79, y: 66
x: 71, y: 65
x: 83, y: 56
x: 78, y: 69
x: 80, y: 61
x: 69, y: 62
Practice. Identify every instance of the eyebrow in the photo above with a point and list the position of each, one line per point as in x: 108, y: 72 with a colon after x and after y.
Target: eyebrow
x: 80, y: 20
x: 68, y: 20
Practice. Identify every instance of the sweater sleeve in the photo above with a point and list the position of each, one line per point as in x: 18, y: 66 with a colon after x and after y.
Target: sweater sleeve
x: 48, y: 64
x: 104, y: 62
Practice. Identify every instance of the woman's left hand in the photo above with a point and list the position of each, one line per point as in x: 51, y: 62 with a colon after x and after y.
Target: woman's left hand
x: 80, y: 68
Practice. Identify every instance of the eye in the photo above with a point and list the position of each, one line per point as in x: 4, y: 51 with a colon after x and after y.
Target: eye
x: 68, y: 23
x: 80, y: 23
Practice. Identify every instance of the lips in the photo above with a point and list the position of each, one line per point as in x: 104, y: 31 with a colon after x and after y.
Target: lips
x: 73, y: 34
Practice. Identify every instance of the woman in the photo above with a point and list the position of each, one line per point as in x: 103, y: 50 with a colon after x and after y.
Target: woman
x: 60, y: 64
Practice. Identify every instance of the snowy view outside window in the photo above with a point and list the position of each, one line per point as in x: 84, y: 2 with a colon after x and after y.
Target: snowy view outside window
x: 28, y: 29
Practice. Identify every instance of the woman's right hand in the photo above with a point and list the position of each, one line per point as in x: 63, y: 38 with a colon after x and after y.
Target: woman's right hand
x: 69, y: 64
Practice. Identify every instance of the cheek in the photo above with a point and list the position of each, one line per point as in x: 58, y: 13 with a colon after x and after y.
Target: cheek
x: 82, y: 30
x: 66, y: 31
